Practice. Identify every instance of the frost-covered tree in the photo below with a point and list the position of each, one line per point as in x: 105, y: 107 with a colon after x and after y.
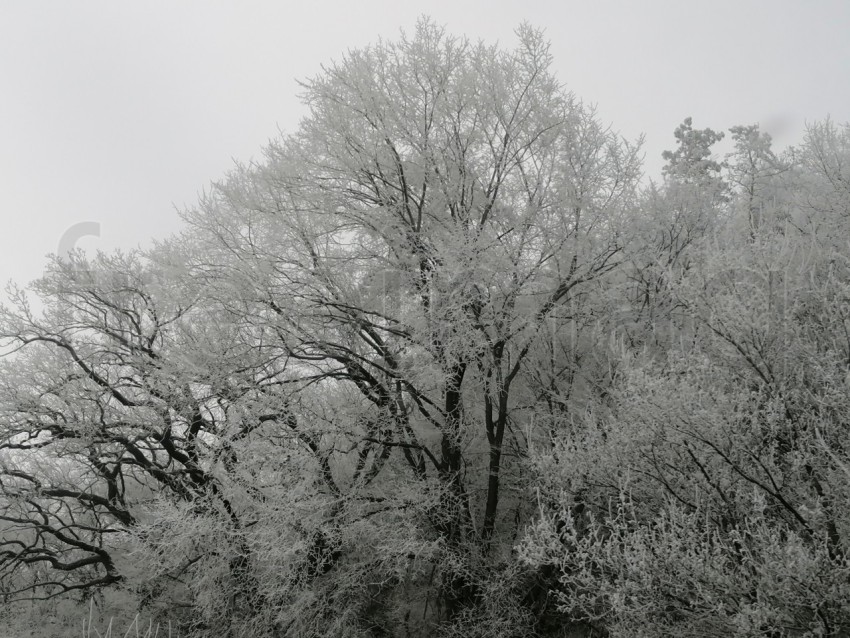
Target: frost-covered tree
x: 705, y: 498
x: 756, y: 170
x: 409, y: 247
x: 822, y: 193
x: 319, y: 425
x: 437, y: 365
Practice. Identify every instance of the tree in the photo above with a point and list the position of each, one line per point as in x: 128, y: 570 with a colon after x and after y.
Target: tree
x: 441, y: 203
x: 692, y: 160
x: 345, y: 355
x: 822, y: 192
x: 436, y: 365
x: 705, y: 501
x: 754, y: 167
x: 670, y: 221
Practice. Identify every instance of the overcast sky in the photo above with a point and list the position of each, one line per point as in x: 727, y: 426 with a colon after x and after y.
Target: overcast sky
x: 119, y: 112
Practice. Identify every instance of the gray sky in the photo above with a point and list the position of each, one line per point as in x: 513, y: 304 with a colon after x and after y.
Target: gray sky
x: 117, y: 112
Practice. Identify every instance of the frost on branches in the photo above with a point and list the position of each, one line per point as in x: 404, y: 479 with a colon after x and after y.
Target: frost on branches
x: 707, y: 497
x: 439, y: 365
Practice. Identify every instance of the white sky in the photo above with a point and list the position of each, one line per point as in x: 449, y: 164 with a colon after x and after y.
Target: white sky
x: 116, y: 112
